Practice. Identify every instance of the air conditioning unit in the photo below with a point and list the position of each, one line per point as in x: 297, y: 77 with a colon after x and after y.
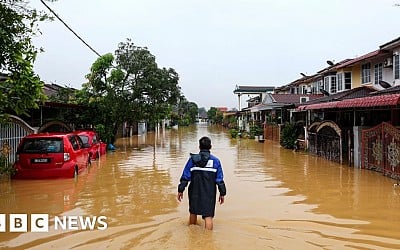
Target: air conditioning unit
x: 304, y: 99
x: 388, y: 62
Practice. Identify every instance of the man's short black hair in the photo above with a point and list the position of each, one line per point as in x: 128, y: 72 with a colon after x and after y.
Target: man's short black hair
x: 205, y: 143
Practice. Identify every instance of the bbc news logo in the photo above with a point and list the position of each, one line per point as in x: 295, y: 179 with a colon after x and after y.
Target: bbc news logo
x: 40, y: 222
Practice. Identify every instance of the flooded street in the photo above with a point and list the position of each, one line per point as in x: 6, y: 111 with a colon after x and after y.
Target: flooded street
x: 276, y: 199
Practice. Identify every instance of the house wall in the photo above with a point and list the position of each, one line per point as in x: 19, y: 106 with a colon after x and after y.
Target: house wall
x: 356, y: 76
x: 387, y: 74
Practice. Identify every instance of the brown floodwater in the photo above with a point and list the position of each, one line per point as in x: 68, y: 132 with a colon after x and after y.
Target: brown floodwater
x: 276, y: 199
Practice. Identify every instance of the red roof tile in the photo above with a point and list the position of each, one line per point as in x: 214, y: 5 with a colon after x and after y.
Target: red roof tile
x: 371, y: 101
x: 361, y: 58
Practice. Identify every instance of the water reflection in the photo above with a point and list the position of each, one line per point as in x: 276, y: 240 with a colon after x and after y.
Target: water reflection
x: 276, y: 198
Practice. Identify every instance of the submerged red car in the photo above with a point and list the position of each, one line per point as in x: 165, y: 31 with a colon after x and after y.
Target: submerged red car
x: 51, y: 155
x: 96, y: 147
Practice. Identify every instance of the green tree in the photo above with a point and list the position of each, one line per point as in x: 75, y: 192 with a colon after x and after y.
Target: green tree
x: 129, y: 88
x: 215, y: 115
x: 185, y: 112
x: 20, y: 88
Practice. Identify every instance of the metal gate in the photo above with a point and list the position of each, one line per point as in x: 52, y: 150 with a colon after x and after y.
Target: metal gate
x: 325, y: 140
x: 272, y: 132
x: 381, y: 149
x: 10, y: 136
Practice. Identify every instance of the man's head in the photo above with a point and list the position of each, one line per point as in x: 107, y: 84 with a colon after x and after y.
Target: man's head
x: 205, y: 143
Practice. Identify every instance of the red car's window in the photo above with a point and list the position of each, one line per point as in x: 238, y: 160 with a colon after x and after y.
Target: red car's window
x: 94, y: 139
x: 41, y: 145
x: 74, y: 142
x: 84, y: 138
x: 80, y: 142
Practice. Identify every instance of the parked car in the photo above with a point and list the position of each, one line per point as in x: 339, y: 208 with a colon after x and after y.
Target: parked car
x: 51, y: 155
x: 97, y: 147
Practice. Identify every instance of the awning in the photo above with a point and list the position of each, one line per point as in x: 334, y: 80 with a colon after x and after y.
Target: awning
x: 256, y: 108
x: 265, y: 106
x: 370, y: 101
x: 322, y: 105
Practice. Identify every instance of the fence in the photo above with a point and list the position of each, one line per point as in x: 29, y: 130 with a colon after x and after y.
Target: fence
x: 381, y: 149
x: 10, y: 135
x: 272, y: 132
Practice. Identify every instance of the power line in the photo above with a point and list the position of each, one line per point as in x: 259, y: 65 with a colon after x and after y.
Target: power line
x: 66, y: 25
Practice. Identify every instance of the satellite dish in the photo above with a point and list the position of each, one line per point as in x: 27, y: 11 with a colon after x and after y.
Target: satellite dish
x: 304, y: 75
x: 323, y: 91
x: 330, y: 63
x: 384, y: 84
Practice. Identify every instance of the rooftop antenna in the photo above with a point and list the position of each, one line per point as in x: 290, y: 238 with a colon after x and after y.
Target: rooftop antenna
x: 384, y: 84
x: 330, y: 63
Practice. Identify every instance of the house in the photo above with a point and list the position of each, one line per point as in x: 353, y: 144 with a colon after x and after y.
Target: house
x: 350, y: 109
x: 305, y: 85
x: 257, y: 92
x: 360, y: 109
x: 276, y: 108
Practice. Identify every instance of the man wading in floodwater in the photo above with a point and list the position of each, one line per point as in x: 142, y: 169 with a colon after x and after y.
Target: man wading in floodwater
x: 204, y: 172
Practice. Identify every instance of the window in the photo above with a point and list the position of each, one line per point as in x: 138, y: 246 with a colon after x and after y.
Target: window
x: 333, y: 84
x: 42, y: 145
x: 396, y: 60
x: 315, y: 86
x: 326, y: 83
x: 330, y: 83
x: 84, y: 138
x: 339, y: 80
x: 366, y: 73
x: 378, y: 72
x: 304, y: 89
x: 319, y: 86
x: 347, y: 80
x: 73, y: 142
x: 79, y: 140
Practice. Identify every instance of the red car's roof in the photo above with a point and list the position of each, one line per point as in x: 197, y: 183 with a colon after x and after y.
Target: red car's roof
x: 52, y: 134
x: 84, y: 132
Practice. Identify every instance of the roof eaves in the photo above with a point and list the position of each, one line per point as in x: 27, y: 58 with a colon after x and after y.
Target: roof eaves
x: 388, y: 44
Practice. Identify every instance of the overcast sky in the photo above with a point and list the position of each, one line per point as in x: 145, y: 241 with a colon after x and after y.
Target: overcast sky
x: 215, y: 45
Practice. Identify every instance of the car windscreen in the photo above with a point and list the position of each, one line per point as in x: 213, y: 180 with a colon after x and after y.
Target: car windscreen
x: 41, y: 145
x: 84, y: 138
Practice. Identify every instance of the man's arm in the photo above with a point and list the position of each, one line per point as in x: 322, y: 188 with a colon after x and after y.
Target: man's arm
x: 220, y: 183
x: 185, y: 178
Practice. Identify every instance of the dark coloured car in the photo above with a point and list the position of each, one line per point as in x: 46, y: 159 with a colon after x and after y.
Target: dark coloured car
x: 51, y: 155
